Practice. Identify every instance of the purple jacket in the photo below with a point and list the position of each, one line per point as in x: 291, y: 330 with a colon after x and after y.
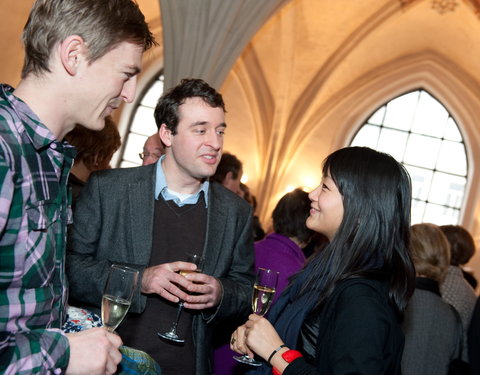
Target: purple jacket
x: 281, y: 254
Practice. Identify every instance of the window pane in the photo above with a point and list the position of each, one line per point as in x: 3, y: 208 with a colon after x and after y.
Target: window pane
x: 440, y: 215
x: 447, y: 189
x: 431, y: 117
x: 377, y: 117
x: 400, y: 111
x: 451, y: 132
x: 127, y: 164
x: 421, y: 181
x: 153, y: 94
x: 367, y: 136
x: 133, y: 147
x: 418, y: 210
x: 143, y: 122
x: 392, y: 142
x: 452, y: 158
x: 142, y: 125
x: 418, y: 131
x: 422, y: 151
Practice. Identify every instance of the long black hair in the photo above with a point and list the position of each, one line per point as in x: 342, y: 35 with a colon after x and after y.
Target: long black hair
x: 373, y: 238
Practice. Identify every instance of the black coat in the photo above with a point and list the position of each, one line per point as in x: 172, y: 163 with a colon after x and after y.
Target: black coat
x: 358, y: 333
x: 474, y: 340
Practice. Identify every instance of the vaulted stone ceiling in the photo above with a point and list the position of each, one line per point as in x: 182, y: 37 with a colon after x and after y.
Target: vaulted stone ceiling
x: 317, y: 69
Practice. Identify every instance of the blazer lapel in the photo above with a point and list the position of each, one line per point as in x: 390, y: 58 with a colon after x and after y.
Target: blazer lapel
x: 141, y: 207
x: 216, y: 222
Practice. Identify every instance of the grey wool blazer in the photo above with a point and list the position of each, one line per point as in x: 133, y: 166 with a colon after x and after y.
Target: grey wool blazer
x: 433, y: 335
x: 113, y: 223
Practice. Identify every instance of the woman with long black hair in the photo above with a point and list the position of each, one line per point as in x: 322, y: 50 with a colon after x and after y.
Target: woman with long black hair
x: 341, y: 314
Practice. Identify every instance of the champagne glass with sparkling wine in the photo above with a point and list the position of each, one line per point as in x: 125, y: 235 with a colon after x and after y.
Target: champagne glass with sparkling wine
x: 263, y: 292
x: 117, y: 295
x: 172, y: 333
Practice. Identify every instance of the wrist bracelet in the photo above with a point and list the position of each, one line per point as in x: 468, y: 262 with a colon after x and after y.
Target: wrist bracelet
x: 274, y: 352
x: 288, y: 356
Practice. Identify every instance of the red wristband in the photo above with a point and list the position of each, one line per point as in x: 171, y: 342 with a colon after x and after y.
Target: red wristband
x: 288, y: 356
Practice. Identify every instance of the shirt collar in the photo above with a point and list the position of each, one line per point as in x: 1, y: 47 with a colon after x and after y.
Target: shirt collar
x: 38, y: 133
x: 161, y: 187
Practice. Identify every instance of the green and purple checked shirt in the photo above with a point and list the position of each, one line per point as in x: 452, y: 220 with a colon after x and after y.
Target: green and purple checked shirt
x: 34, y: 212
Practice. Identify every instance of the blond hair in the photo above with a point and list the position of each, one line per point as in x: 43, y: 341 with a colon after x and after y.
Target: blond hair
x: 102, y: 24
x: 430, y: 251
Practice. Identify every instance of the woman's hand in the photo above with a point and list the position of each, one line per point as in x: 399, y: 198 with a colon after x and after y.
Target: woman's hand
x: 238, y: 343
x: 256, y: 335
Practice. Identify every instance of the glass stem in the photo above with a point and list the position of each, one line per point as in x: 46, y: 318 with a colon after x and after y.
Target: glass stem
x: 179, y: 312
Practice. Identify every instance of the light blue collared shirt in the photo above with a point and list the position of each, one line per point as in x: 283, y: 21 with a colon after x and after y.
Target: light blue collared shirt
x: 162, y: 188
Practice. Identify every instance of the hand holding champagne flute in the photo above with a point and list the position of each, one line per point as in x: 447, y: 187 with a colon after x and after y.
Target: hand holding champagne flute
x: 195, y: 259
x: 117, y: 295
x: 172, y: 333
x: 263, y: 292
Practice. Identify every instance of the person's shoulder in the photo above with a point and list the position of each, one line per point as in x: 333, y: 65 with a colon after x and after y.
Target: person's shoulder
x: 279, y: 243
x: 7, y: 113
x: 426, y: 297
x: 8, y: 118
x: 125, y: 174
x: 428, y: 304
x: 360, y: 287
x: 222, y: 193
x: 12, y: 145
x: 455, y: 286
x: 361, y: 299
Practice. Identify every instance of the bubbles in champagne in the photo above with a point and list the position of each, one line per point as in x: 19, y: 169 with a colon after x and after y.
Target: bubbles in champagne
x: 262, y: 299
x: 114, y: 310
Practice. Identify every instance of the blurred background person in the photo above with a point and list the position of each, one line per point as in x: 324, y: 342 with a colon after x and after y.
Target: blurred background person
x: 455, y: 289
x: 282, y: 250
x: 258, y: 232
x: 315, y: 245
x: 246, y: 194
x: 462, y: 250
x: 94, y: 152
x: 152, y: 150
x: 229, y: 173
x: 433, y: 329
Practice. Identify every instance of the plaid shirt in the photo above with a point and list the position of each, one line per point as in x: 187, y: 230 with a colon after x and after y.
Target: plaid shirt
x: 34, y: 211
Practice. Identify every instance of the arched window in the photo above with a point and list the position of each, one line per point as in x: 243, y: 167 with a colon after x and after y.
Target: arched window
x: 417, y: 130
x: 142, y: 124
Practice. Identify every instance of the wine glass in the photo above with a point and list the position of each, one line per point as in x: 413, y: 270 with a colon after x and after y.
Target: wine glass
x: 117, y: 295
x: 263, y: 292
x: 172, y: 333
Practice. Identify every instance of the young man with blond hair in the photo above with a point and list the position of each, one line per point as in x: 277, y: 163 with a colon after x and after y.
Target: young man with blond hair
x: 81, y: 62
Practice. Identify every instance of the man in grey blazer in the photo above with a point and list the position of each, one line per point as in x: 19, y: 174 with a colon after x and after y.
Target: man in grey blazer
x: 149, y: 217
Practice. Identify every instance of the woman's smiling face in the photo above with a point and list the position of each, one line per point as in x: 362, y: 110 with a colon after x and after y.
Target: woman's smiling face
x: 326, y: 212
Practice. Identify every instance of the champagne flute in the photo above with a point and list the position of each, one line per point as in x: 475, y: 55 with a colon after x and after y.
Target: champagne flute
x: 172, y: 333
x: 117, y: 295
x: 263, y: 292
